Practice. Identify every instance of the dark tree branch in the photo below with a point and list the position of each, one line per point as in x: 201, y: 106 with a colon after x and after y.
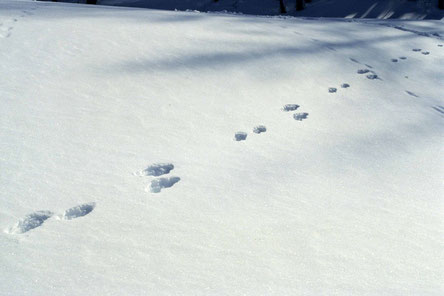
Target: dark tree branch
x: 300, y: 4
x: 282, y: 6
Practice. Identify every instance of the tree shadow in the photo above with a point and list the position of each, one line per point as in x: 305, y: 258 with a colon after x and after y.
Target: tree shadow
x: 225, y: 59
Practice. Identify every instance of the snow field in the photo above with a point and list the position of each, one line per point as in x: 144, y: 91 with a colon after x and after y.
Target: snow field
x: 341, y: 195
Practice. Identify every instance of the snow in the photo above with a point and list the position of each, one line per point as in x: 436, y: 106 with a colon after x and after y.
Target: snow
x: 342, y: 196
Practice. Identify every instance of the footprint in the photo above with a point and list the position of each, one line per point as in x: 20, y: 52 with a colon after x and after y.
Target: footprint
x: 30, y: 221
x: 332, y: 90
x: 354, y: 61
x: 368, y: 66
x: 412, y: 94
x: 372, y: 76
x: 440, y: 109
x: 416, y: 49
x: 259, y: 129
x: 158, y: 169
x: 240, y: 136
x: 394, y: 60
x: 425, y: 53
x: 78, y: 211
x: 345, y: 85
x: 300, y: 116
x: 290, y: 107
x: 363, y: 71
x: 403, y: 58
x: 158, y: 184
x: 440, y: 45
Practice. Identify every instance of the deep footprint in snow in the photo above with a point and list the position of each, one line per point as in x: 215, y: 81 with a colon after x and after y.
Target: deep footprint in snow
x: 440, y: 45
x: 345, y: 85
x: 259, y: 129
x: 30, y: 222
x: 412, y: 94
x: 372, y: 76
x: 158, y: 169
x: 240, y: 136
x: 416, y: 49
x: 425, y: 53
x: 440, y: 109
x: 332, y: 90
x: 403, y: 58
x: 158, y: 184
x: 78, y: 211
x: 290, y: 107
x: 363, y: 71
x: 300, y: 116
x: 394, y: 60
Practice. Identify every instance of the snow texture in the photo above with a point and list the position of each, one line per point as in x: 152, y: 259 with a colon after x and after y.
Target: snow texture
x: 345, y: 200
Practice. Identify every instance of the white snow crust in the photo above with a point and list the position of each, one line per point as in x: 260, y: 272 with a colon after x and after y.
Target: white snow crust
x: 98, y: 103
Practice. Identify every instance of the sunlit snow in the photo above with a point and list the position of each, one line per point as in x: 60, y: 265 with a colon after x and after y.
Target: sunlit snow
x: 149, y: 152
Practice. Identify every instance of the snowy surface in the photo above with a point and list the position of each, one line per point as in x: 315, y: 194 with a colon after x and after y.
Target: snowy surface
x: 99, y: 105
